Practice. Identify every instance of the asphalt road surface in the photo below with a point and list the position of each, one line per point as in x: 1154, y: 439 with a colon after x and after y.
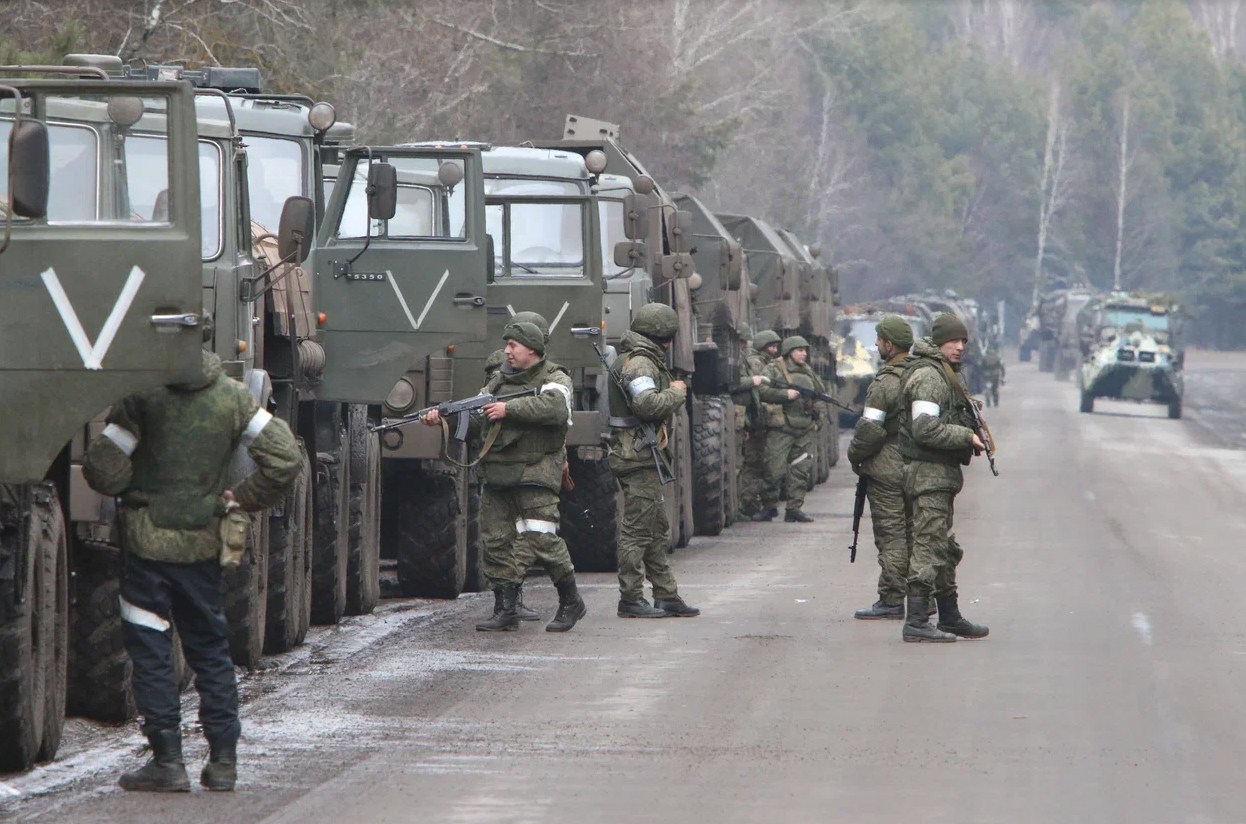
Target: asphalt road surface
x: 1107, y: 560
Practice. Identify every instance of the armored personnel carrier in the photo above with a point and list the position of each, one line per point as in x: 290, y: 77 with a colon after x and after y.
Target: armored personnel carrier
x: 1132, y: 350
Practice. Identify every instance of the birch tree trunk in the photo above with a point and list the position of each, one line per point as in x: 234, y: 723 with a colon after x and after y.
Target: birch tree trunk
x: 1120, y: 195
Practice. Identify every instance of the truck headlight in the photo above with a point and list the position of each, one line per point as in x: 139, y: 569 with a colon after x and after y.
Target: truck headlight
x: 401, y: 396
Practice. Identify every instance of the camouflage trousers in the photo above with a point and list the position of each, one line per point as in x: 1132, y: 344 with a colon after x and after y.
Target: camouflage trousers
x: 935, y: 556
x: 752, y: 473
x: 893, y: 522
x: 643, y: 537
x: 519, y: 526
x: 789, y: 454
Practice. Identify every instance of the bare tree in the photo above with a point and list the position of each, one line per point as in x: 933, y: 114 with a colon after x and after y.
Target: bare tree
x: 1121, y: 192
x: 1053, y: 186
x: 1221, y: 19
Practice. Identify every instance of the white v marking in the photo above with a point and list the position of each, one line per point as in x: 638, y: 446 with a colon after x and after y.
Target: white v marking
x: 92, y: 354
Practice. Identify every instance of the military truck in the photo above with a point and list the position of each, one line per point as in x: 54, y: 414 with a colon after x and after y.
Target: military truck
x: 856, y: 357
x: 1067, y: 344
x: 96, y: 303
x: 1132, y: 349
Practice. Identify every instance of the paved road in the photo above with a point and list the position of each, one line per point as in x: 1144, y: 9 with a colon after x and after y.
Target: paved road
x: 1106, y: 560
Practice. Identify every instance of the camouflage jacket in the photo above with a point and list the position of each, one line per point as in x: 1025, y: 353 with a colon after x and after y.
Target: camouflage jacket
x: 529, y: 448
x: 875, y: 449
x: 935, y: 434
x: 797, y: 415
x: 747, y: 397
x: 166, y: 453
x: 992, y: 367
x: 641, y: 368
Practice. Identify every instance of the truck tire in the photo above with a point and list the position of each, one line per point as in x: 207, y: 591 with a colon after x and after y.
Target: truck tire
x: 589, y: 516
x: 420, y: 519
x: 34, y: 637
x: 709, y: 492
x: 246, y: 596
x: 330, y: 539
x: 363, y: 561
x: 287, y: 566
x: 475, y: 579
x: 99, y: 666
x: 1088, y: 402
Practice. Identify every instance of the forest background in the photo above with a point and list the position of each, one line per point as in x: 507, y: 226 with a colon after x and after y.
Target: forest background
x: 976, y: 145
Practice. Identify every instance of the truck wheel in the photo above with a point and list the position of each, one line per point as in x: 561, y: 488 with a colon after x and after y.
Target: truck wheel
x: 331, y: 541
x: 287, y: 543
x: 363, y: 564
x: 589, y: 516
x: 99, y: 666
x: 1174, y: 410
x: 33, y: 638
x: 708, y: 478
x: 1088, y: 402
x: 475, y: 580
x: 246, y: 596
x: 420, y: 520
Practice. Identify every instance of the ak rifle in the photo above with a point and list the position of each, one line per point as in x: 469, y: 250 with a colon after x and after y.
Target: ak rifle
x: 462, y: 408
x: 858, y: 510
x: 812, y: 394
x: 648, y: 432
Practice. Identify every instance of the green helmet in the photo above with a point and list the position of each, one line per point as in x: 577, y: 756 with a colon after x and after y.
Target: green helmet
x: 746, y: 332
x: 764, y: 338
x: 536, y: 320
x: 794, y: 342
x: 657, y: 321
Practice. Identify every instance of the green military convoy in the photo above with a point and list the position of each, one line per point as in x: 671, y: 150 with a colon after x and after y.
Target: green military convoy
x: 152, y: 211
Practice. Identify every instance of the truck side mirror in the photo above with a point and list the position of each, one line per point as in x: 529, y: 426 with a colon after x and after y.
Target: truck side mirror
x: 298, y: 227
x: 630, y: 255
x: 681, y: 232
x: 636, y: 217
x: 382, y: 191
x: 29, y: 165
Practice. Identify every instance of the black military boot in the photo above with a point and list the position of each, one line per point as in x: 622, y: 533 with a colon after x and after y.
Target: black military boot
x: 880, y: 612
x: 950, y: 619
x: 571, y: 607
x: 505, y: 618
x: 917, y: 626
x: 221, y: 772
x: 639, y: 608
x: 165, y: 772
x: 767, y: 514
x: 676, y: 608
x: 522, y: 610
x: 795, y: 516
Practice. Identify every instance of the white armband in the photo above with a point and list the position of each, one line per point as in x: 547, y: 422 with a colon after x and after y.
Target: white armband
x: 123, y: 439
x: 642, y: 384
x: 566, y: 394
x: 258, y: 421
x: 872, y: 414
x: 924, y: 408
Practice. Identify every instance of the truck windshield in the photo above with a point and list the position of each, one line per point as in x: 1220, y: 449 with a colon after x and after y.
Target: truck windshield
x: 528, y: 186
x: 147, y: 165
x: 540, y: 238
x: 1123, y: 316
x: 425, y: 208
x: 275, y: 171
x: 73, y: 195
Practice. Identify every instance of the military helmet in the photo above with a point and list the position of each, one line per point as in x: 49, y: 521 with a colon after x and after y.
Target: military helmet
x: 535, y: 319
x: 746, y: 332
x: 657, y: 321
x: 794, y: 342
x: 764, y: 338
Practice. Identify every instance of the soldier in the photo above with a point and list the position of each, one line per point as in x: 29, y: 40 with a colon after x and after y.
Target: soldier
x: 492, y: 364
x: 651, y: 397
x: 792, y: 425
x: 936, y: 439
x: 165, y: 453
x: 522, y: 461
x: 747, y: 406
x: 875, y: 454
x: 767, y: 347
x: 992, y: 374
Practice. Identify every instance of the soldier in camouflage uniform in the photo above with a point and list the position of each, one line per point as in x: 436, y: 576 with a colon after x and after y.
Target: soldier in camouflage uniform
x: 521, y: 463
x: 875, y: 454
x: 992, y: 374
x: 648, y: 395
x: 936, y: 439
x: 792, y: 424
x: 755, y: 472
x: 750, y: 475
x: 165, y: 453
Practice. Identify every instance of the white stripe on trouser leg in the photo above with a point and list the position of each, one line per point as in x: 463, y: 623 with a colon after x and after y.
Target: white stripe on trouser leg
x: 535, y: 525
x: 872, y: 414
x: 142, y: 617
x: 802, y: 457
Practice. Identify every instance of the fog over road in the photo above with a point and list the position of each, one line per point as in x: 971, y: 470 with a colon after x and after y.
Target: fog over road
x: 1107, y: 560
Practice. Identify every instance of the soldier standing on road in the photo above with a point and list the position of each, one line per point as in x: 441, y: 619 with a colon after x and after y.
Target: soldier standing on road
x: 521, y: 462
x: 651, y: 397
x: 747, y: 409
x: 790, y: 441
x: 992, y: 374
x: 875, y: 454
x: 767, y: 347
x: 936, y: 439
x: 165, y: 453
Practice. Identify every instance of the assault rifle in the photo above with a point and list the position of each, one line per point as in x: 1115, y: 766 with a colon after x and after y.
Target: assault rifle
x: 984, y: 434
x: 462, y: 408
x: 648, y: 432
x: 858, y: 509
x: 806, y: 392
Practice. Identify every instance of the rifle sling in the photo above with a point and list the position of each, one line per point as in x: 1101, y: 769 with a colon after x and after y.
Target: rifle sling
x: 960, y: 390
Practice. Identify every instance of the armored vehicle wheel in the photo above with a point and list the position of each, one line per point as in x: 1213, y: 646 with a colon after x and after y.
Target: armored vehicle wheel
x: 1174, y: 410
x: 34, y: 637
x: 330, y: 543
x: 589, y: 516
x: 99, y: 667
x: 363, y: 565
x: 1088, y: 402
x: 287, y: 566
x: 246, y: 596
x: 708, y: 476
x: 475, y: 581
x: 420, y: 519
